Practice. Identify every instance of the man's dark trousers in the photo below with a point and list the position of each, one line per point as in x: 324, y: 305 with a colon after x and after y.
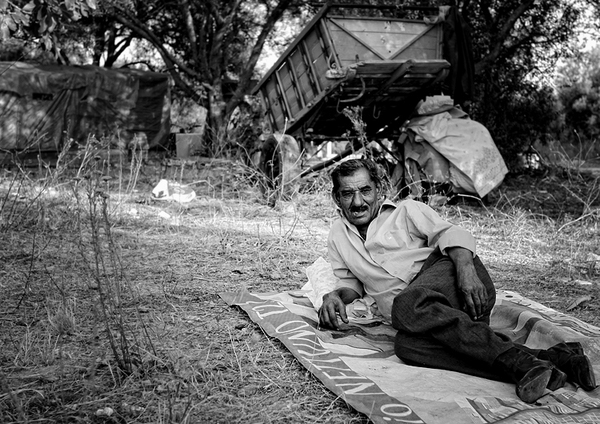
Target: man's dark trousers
x: 435, y: 331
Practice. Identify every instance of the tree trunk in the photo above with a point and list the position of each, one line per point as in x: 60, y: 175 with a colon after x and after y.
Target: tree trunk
x: 216, y: 128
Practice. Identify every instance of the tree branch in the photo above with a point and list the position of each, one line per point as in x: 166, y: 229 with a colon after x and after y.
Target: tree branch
x: 188, y: 22
x: 172, y: 63
x: 485, y: 11
x: 203, y: 46
x: 267, y: 28
x: 502, y: 36
x: 223, y: 23
x: 142, y: 31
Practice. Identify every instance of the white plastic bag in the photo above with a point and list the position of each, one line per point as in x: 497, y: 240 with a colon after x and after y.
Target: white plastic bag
x: 320, y: 282
x: 170, y: 190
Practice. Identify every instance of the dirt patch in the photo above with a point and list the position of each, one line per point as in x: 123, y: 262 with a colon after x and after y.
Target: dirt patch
x: 191, y: 357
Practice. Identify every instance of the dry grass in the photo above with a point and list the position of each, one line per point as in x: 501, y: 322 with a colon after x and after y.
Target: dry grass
x: 185, y: 356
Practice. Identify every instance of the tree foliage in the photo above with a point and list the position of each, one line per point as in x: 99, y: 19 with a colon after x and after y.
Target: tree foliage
x: 41, y: 19
x: 524, y: 34
x: 578, y: 86
x: 209, y: 47
x: 516, y: 46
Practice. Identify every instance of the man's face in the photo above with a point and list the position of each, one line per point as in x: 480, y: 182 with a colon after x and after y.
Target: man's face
x: 358, y: 198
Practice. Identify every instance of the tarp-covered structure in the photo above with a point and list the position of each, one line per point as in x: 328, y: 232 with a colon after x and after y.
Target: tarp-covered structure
x: 42, y: 106
x: 442, y: 145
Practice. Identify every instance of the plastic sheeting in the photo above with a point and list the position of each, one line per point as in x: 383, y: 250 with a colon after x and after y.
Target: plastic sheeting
x: 449, y: 147
x: 43, y: 105
x: 359, y: 366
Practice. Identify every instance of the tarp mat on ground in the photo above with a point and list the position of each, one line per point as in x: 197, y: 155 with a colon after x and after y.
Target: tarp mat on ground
x: 360, y: 367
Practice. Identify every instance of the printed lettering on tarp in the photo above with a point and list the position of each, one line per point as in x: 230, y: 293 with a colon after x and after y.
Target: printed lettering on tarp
x: 359, y: 364
x: 301, y: 338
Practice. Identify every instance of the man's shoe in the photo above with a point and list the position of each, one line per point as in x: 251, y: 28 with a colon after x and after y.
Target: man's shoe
x: 575, y: 347
x: 532, y: 385
x: 557, y: 380
x: 531, y: 375
x: 569, y: 358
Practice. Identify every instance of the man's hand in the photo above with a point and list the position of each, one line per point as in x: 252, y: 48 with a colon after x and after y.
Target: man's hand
x: 473, y: 290
x: 334, y: 303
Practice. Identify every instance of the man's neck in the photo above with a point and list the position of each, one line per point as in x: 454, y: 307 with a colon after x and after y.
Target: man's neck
x: 363, y: 231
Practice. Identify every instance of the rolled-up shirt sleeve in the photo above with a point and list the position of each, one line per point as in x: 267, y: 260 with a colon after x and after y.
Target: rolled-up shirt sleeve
x: 440, y: 233
x: 457, y: 237
x: 340, y: 270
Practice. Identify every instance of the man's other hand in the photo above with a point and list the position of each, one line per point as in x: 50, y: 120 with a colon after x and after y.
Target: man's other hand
x: 473, y: 290
x: 332, y: 305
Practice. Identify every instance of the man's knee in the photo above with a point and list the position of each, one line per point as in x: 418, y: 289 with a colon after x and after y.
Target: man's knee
x: 408, y: 303
x: 409, y: 298
x: 420, y: 350
x: 398, y: 308
x: 404, y: 305
x: 403, y: 348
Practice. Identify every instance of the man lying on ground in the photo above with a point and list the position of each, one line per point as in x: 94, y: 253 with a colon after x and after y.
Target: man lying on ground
x: 427, y: 280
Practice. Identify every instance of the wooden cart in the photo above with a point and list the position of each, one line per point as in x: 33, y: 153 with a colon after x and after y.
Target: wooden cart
x: 383, y: 65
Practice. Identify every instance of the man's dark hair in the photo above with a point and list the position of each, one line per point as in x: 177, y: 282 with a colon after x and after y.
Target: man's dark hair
x: 349, y: 167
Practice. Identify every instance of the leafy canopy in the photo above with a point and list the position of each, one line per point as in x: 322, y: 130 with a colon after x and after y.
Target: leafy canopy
x: 41, y: 18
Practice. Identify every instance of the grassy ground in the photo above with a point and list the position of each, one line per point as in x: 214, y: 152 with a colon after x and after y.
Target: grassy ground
x: 110, y: 307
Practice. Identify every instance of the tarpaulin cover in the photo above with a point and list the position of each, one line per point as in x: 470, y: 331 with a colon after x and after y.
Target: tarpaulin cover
x: 359, y: 364
x: 450, y: 147
x: 42, y: 105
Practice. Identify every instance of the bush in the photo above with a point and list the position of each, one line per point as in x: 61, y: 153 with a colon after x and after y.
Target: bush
x: 517, y: 119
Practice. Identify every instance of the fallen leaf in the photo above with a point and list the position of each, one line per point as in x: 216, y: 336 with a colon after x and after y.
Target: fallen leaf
x: 105, y: 412
x: 249, y: 390
x: 578, y: 301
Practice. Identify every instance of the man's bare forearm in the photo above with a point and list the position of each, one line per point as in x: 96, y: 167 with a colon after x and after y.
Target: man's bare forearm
x: 460, y: 256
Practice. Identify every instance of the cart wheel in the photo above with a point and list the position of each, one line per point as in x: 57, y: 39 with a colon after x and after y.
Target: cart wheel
x: 279, y: 161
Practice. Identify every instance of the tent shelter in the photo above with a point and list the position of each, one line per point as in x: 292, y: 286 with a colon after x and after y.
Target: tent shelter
x: 41, y: 106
